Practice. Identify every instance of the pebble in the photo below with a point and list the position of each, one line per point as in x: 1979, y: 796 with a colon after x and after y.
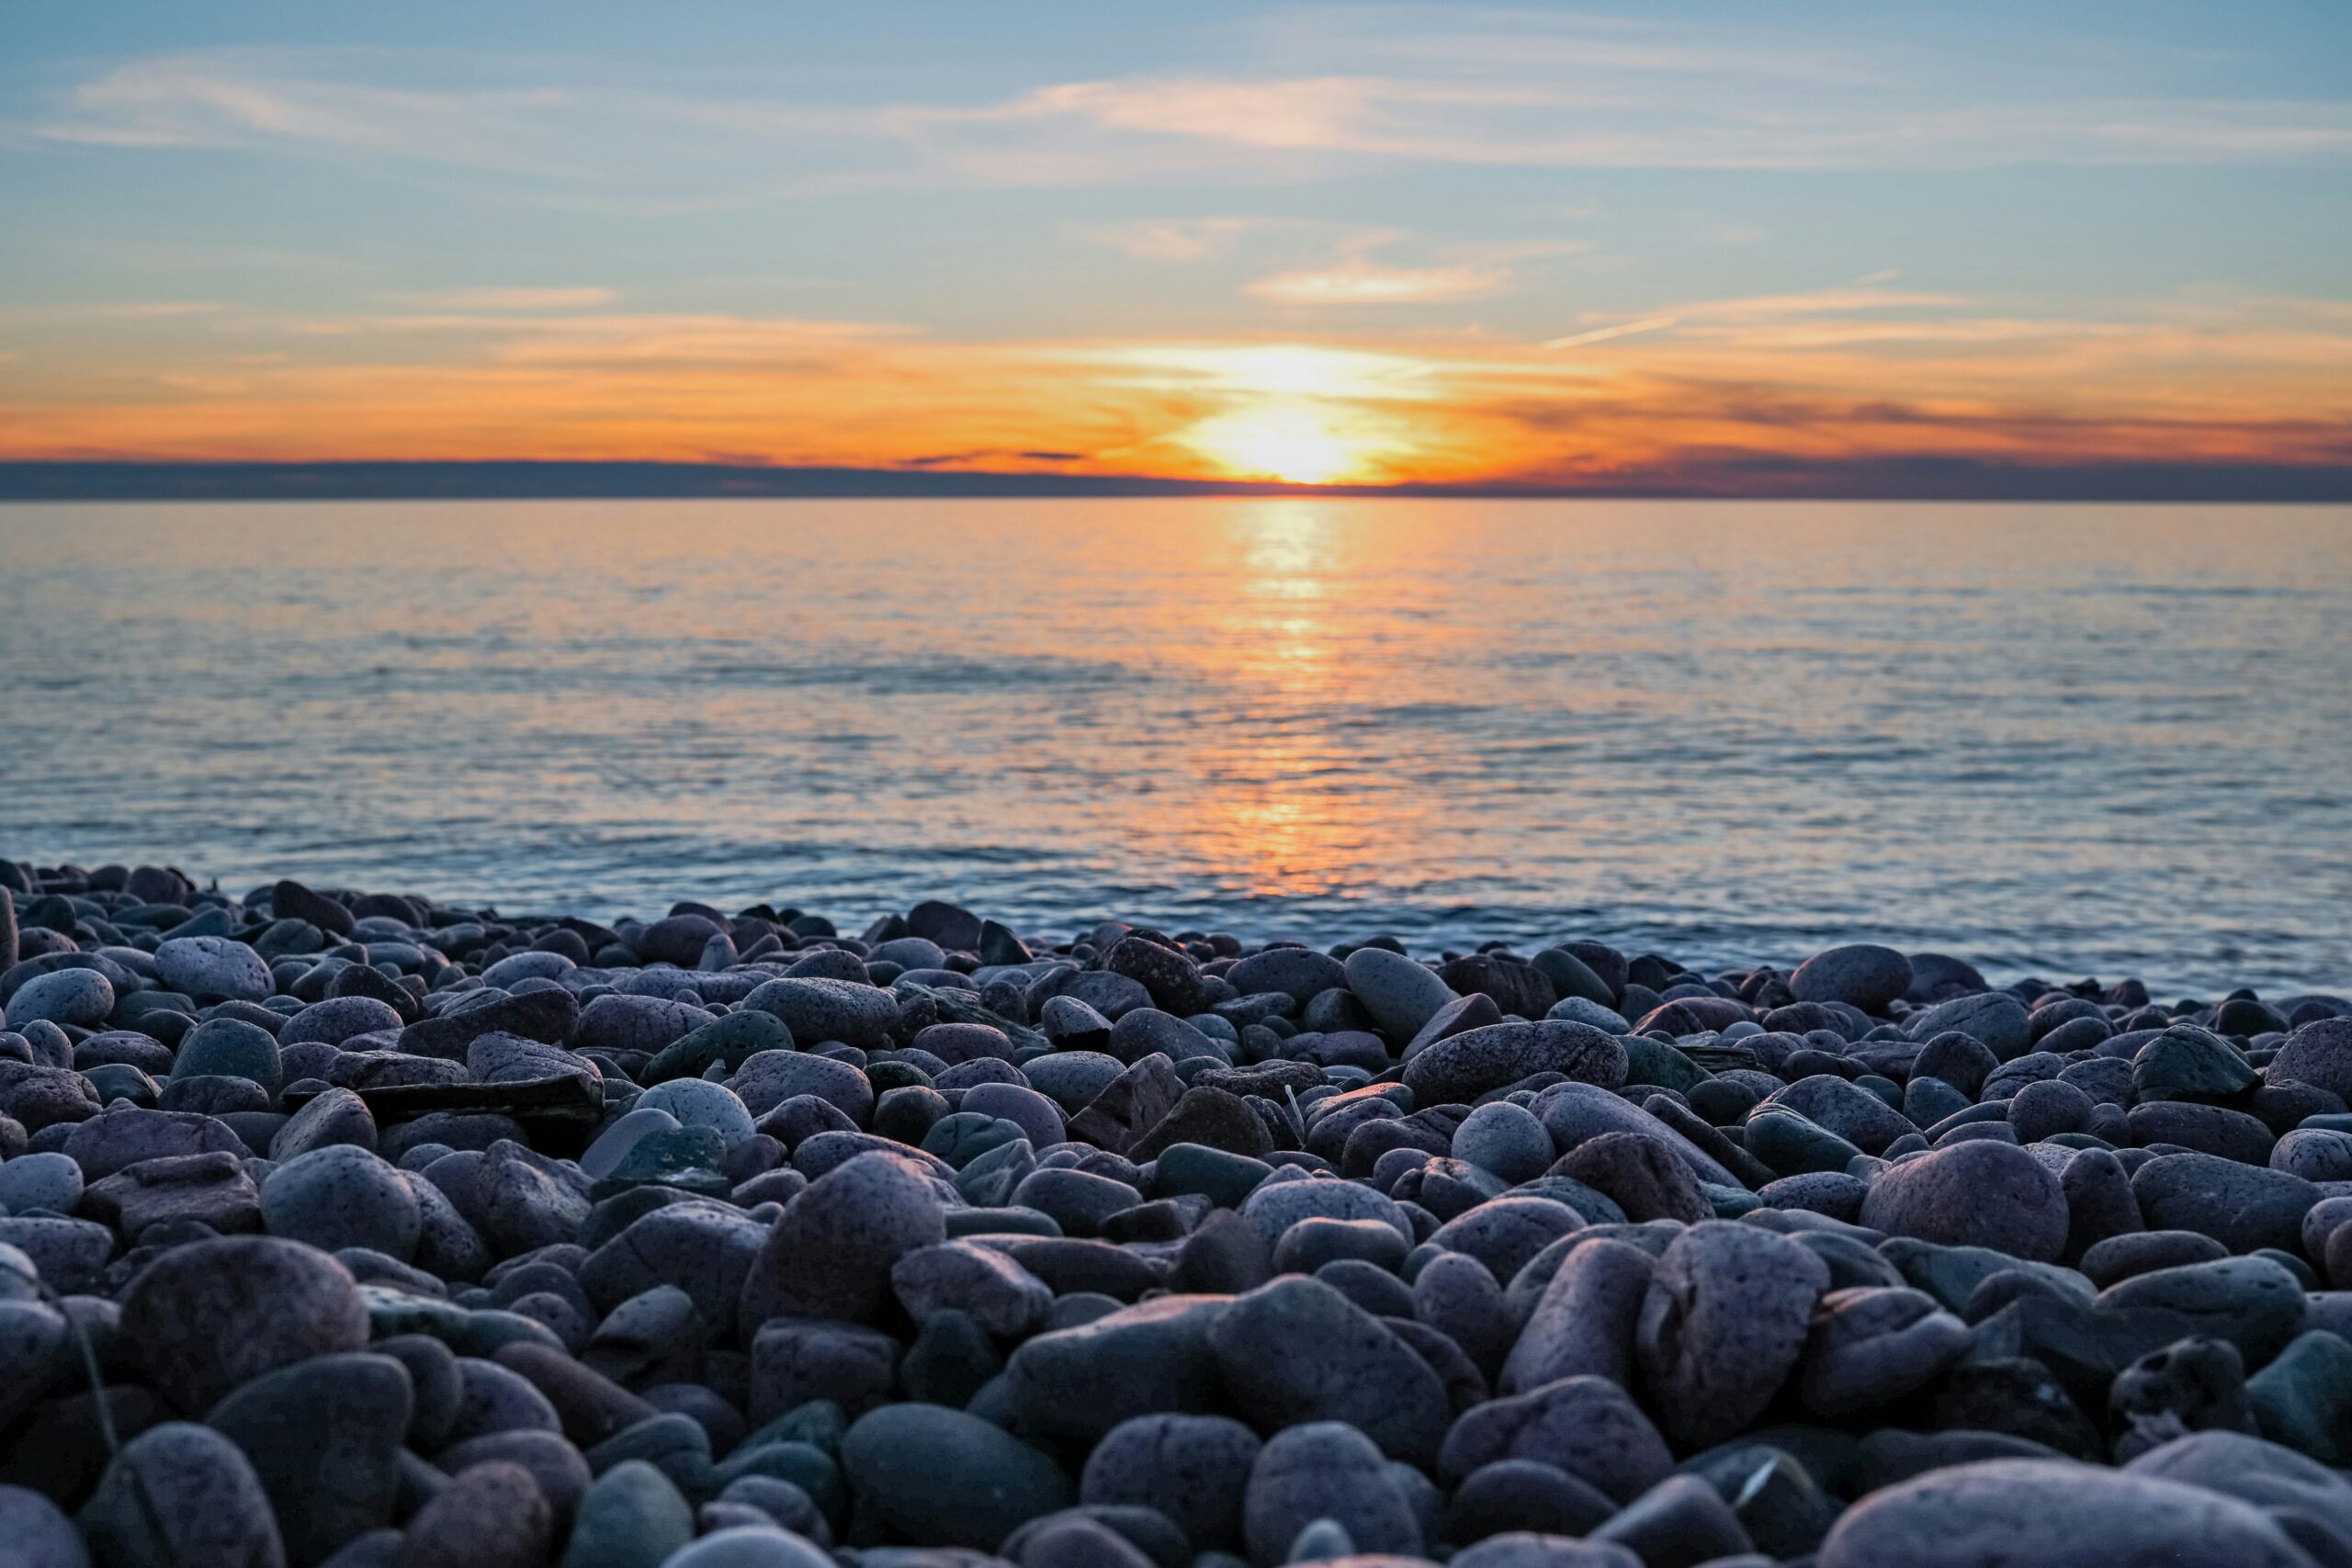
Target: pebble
x: 1862, y: 975
x: 324, y: 1436
x: 2243, y: 1207
x: 942, y: 1477
x: 1505, y: 1139
x: 712, y: 1240
x: 208, y: 1315
x: 2038, y: 1510
x: 51, y: 1181
x: 80, y: 998
x: 1297, y: 1350
x: 831, y: 1252
x: 213, y: 968
x: 492, y: 1516
x: 1722, y: 1325
x: 180, y: 1495
x: 343, y: 1196
x: 1994, y: 1018
x: 1868, y: 1347
x: 1401, y: 994
x: 37, y: 1533
x: 1325, y: 1470
x: 1588, y: 1426
x: 1977, y: 1194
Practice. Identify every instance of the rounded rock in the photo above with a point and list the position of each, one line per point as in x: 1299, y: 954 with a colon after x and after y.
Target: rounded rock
x: 182, y: 1496
x: 1862, y: 975
x: 1973, y: 1193
x: 942, y: 1477
x: 831, y: 1252
x: 207, y: 1316
x: 2002, y: 1511
x: 1399, y: 993
x: 80, y: 998
x: 1325, y: 1470
x: 1723, y: 1325
x: 1194, y: 1468
x: 343, y: 1196
x: 213, y: 968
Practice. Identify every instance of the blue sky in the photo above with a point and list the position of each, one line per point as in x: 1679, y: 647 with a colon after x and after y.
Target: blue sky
x: 222, y: 215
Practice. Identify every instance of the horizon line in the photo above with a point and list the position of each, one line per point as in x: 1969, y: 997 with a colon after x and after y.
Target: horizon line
x: 1726, y: 478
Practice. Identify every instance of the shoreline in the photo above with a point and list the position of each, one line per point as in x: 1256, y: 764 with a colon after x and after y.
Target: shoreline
x: 1425, y: 931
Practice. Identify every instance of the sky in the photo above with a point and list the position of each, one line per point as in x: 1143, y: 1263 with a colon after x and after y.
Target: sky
x: 1709, y: 244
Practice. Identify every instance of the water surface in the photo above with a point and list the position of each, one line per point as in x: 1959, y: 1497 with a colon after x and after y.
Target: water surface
x: 2068, y: 739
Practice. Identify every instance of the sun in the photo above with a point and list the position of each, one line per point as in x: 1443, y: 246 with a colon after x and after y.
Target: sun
x: 1294, y: 442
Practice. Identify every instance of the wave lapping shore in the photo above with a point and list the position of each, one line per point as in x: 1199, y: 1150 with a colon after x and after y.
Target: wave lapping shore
x: 363, y: 1230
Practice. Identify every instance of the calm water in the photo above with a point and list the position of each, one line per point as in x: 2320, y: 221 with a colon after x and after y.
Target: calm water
x: 2070, y: 740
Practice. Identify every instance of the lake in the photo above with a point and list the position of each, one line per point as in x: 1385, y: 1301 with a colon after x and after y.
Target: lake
x: 2064, y: 739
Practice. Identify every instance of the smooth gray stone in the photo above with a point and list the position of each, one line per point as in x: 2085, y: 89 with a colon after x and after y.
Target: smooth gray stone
x: 182, y: 1496
x: 2045, y: 1511
x: 942, y: 1477
x: 1325, y: 1470
x: 325, y: 1438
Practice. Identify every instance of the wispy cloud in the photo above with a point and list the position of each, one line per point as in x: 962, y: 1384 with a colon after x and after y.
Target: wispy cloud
x: 1360, y: 282
x: 1528, y: 123
x: 142, y: 310
x: 334, y: 100
x: 1412, y: 85
x: 573, y: 299
x: 1169, y: 239
x: 150, y: 310
x: 1605, y: 334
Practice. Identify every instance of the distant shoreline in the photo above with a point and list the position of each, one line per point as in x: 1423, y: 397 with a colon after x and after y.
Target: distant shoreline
x: 1901, y: 480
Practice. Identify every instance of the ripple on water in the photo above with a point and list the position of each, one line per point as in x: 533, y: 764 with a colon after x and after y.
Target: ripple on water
x: 2065, y: 738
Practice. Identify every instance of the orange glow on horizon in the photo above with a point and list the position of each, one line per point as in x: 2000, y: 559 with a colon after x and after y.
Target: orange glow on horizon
x: 1825, y: 379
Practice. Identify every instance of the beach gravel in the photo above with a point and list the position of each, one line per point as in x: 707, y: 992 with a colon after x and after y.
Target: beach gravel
x: 386, y: 1233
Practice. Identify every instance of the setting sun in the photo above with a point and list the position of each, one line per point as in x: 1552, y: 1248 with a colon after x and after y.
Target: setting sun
x: 1295, y: 443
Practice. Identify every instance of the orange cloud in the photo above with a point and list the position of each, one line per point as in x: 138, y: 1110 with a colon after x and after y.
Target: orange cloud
x: 1853, y: 376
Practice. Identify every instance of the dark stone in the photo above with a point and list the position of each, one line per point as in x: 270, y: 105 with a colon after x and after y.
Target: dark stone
x: 1723, y: 1325
x: 325, y: 1438
x: 550, y: 1016
x: 1860, y: 975
x: 2252, y: 1302
x: 492, y: 1515
x: 1972, y: 1194
x: 1297, y: 1350
x: 1524, y: 1494
x: 940, y: 1477
x: 1679, y: 1521
x: 2190, y: 1385
x: 1173, y: 979
x: 1588, y: 1425
x: 1584, y: 1322
x: 2029, y: 1510
x: 1515, y: 986
x: 1460, y: 1069
x: 1325, y: 1470
x: 830, y: 1253
x: 181, y: 1496
x: 206, y: 1317
x: 1192, y: 1468
x: 1869, y: 1348
x: 2243, y: 1207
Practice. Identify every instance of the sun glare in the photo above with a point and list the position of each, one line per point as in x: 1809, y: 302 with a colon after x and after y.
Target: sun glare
x: 1295, y: 443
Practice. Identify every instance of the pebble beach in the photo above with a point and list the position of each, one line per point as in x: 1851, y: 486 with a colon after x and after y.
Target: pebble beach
x: 354, y: 1228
